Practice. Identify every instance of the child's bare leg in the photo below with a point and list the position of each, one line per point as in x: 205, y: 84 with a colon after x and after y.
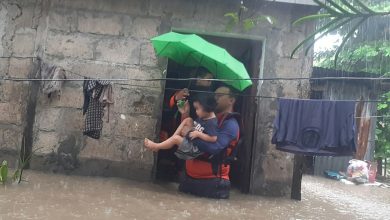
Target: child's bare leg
x: 186, y: 130
x: 167, y: 144
x: 188, y: 122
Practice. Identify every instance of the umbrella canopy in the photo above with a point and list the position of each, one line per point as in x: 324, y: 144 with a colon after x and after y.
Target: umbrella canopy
x: 192, y: 50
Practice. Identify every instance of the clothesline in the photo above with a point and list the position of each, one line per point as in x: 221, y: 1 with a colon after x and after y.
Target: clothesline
x: 201, y: 79
x: 218, y: 80
x: 172, y: 89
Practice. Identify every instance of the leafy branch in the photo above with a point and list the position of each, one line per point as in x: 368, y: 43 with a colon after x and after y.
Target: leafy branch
x: 249, y: 22
x: 17, y: 176
x: 340, y: 13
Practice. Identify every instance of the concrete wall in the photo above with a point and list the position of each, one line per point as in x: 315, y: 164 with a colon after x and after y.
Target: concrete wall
x: 100, y: 38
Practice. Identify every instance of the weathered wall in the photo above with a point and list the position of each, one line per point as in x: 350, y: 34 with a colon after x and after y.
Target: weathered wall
x: 21, y: 27
x: 99, y: 38
x: 272, y: 169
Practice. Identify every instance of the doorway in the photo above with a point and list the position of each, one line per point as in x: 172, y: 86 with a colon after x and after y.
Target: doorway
x: 249, y: 51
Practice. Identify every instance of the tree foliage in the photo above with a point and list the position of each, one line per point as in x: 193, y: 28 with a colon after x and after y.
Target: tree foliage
x: 370, y: 57
x: 367, y: 52
x: 338, y: 15
x: 382, y: 132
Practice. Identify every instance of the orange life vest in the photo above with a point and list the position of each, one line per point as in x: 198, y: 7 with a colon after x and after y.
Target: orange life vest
x: 215, y: 166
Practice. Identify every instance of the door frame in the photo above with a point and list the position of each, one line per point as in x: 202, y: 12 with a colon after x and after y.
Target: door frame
x: 248, y: 165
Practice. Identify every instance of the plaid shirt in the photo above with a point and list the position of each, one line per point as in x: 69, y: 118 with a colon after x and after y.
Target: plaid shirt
x: 93, y: 108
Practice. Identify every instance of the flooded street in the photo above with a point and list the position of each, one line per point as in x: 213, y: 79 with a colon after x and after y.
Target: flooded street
x: 73, y: 197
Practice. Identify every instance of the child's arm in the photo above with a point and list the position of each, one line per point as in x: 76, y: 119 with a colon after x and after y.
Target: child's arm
x: 202, y: 136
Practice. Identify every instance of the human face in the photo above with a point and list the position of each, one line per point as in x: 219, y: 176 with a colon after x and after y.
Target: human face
x: 224, y: 101
x: 199, y: 110
x: 204, y: 83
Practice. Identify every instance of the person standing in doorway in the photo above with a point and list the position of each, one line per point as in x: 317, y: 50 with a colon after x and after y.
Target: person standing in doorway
x: 202, y: 179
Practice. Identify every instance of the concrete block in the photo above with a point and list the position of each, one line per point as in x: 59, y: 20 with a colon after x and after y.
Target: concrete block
x: 70, y: 45
x: 10, y: 138
x: 46, y: 142
x: 288, y: 42
x: 145, y: 73
x: 108, y: 24
x: 24, y: 42
x: 127, y: 25
x: 116, y: 149
x: 94, y: 69
x: 4, y: 65
x: 282, y: 12
x: 118, y: 50
x: 20, y: 68
x: 214, y: 10
x: 101, y: 149
x: 71, y: 120
x: 109, y: 127
x: 15, y: 93
x: 286, y: 67
x: 148, y: 55
x: 63, y: 19
x: 8, y: 114
x: 3, y: 29
x: 136, y: 151
x: 25, y: 19
x: 133, y: 7
x: 281, y: 165
x: 136, y: 101
x: 177, y: 8
x: 145, y: 27
x: 70, y: 98
x: 47, y: 118
x: 136, y: 127
x: 199, y: 24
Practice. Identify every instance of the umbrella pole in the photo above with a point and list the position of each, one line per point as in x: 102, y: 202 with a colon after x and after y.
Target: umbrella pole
x: 197, y: 68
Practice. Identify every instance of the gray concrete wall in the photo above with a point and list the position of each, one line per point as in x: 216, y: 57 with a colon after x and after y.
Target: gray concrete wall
x: 100, y: 38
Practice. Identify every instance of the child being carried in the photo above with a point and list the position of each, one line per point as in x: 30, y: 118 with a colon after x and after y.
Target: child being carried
x: 204, y: 128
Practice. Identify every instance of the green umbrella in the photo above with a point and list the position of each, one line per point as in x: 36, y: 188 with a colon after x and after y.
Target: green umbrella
x: 192, y: 50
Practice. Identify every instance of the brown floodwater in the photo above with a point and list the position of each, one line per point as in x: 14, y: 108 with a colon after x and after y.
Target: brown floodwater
x: 53, y: 196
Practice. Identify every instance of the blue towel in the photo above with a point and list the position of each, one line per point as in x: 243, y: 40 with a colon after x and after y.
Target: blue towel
x: 315, y: 127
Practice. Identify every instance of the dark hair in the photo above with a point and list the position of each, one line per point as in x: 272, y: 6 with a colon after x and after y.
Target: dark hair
x: 207, y: 101
x: 202, y: 72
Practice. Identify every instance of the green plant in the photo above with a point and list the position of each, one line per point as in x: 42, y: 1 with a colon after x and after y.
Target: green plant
x: 18, y: 173
x: 382, y: 131
x: 372, y: 57
x: 339, y: 14
x: 4, y: 172
x: 247, y: 23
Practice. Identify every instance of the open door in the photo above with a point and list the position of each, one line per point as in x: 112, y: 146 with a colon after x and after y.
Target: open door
x: 249, y: 52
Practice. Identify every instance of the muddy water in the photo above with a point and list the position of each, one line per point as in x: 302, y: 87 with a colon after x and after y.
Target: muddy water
x: 48, y: 196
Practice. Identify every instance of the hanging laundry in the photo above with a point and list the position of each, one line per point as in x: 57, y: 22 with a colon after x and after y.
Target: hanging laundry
x: 49, y: 71
x: 315, y: 127
x: 107, y: 99
x: 98, y: 94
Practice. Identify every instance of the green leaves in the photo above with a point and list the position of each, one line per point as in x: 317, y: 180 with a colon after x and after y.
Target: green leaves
x: 371, y: 57
x: 248, y: 23
x: 233, y: 20
x: 311, y: 17
x: 4, y: 172
x: 342, y: 13
x: 382, y: 131
x: 382, y: 106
